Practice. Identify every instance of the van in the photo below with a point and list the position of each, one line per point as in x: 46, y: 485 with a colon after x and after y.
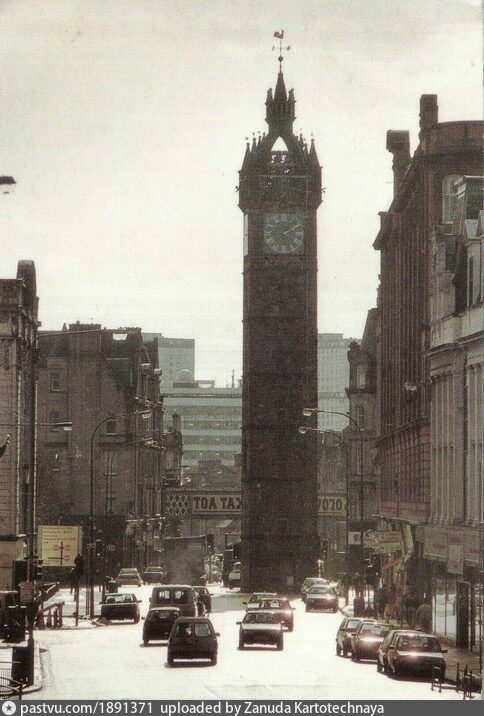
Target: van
x: 181, y: 596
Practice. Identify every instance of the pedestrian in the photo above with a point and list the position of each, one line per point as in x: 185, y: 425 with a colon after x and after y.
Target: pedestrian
x: 73, y: 579
x: 410, y: 606
x: 423, y: 615
x: 382, y: 600
x: 390, y: 605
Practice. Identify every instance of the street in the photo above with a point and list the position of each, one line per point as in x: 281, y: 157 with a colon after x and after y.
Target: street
x: 111, y: 662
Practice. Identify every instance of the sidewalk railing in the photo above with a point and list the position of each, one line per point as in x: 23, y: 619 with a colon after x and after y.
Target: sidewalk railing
x: 9, y: 688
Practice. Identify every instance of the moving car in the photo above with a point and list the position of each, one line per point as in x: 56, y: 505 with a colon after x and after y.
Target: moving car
x: 310, y: 582
x: 117, y: 607
x: 261, y: 627
x: 367, y: 638
x: 129, y: 575
x: 192, y: 638
x: 416, y: 651
x: 382, y: 653
x: 281, y: 607
x: 255, y: 599
x: 233, y: 580
x: 204, y: 596
x: 152, y: 575
x: 345, y: 632
x: 159, y: 622
x: 321, y: 596
x: 180, y: 596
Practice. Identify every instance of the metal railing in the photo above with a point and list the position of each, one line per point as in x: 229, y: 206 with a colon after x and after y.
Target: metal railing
x: 9, y: 688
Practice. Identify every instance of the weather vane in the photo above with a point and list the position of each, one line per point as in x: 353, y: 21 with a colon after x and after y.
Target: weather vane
x: 280, y: 37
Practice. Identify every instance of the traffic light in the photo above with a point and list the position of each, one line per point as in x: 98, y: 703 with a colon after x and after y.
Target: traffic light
x: 210, y: 544
x: 237, y: 547
x: 38, y: 570
x: 325, y: 548
x: 99, y: 548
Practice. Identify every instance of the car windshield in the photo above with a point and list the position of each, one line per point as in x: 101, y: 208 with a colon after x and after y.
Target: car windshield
x: 418, y: 643
x: 120, y: 599
x: 257, y: 618
x: 126, y: 572
x: 153, y: 569
x: 374, y: 629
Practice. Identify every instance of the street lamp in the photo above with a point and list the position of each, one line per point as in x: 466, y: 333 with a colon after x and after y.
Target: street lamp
x: 303, y: 430
x: 308, y: 412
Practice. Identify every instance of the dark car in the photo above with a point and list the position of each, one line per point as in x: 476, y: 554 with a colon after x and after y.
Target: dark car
x: 117, y: 607
x: 382, y: 653
x: 192, y: 638
x: 416, y: 651
x: 261, y: 627
x: 345, y: 631
x: 281, y: 607
x: 129, y: 575
x: 321, y: 596
x: 153, y: 575
x: 367, y: 638
x: 159, y: 622
x: 204, y: 596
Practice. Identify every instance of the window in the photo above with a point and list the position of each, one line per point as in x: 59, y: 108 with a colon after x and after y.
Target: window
x: 470, y: 281
x: 360, y: 376
x: 111, y: 427
x: 53, y: 417
x: 55, y: 381
x: 449, y: 197
x: 360, y: 416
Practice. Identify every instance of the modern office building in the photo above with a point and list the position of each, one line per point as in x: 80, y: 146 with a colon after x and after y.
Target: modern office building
x: 333, y: 379
x: 176, y: 358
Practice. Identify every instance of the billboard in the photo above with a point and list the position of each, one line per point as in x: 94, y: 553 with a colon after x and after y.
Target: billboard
x: 59, y: 545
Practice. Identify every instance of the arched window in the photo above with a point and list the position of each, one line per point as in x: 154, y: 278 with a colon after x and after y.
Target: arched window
x: 449, y: 196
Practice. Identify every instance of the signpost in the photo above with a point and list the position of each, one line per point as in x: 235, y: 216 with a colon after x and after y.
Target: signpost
x: 59, y: 545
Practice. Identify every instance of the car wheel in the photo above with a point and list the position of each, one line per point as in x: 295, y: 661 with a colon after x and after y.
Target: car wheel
x: 290, y: 627
x: 396, y: 671
x: 307, y: 608
x: 385, y: 668
x: 280, y: 644
x: 335, y: 609
x: 145, y: 642
x: 338, y: 650
x: 170, y: 660
x: 241, y: 644
x: 136, y: 619
x: 213, y: 659
x: 378, y: 666
x: 345, y: 652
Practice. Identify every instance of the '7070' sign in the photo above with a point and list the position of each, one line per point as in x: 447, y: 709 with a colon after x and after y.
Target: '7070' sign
x: 332, y: 505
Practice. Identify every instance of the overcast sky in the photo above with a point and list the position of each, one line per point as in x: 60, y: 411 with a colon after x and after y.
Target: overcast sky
x: 123, y: 123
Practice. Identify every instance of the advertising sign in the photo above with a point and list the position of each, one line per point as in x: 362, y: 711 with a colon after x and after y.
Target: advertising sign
x: 213, y: 504
x: 332, y: 505
x: 455, y: 558
x: 389, y: 541
x: 354, y: 538
x: 59, y: 545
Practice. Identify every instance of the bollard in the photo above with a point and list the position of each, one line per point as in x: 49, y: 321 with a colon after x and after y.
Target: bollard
x: 60, y: 615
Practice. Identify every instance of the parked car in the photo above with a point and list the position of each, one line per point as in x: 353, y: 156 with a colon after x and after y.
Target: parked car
x: 159, y: 622
x: 233, y: 580
x: 204, y: 596
x: 255, y: 599
x: 261, y: 627
x: 129, y: 575
x: 367, y: 638
x: 192, y: 638
x: 416, y: 651
x: 281, y: 607
x: 179, y: 596
x: 153, y: 575
x: 382, y: 653
x: 310, y: 582
x: 117, y: 607
x: 345, y: 631
x: 321, y: 596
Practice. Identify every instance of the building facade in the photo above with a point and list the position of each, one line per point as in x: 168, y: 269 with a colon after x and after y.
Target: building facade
x: 452, y: 537
x: 211, y: 420
x: 176, y: 358
x: 333, y: 379
x: 279, y: 193
x: 114, y: 461
x: 18, y: 416
x: 423, y: 196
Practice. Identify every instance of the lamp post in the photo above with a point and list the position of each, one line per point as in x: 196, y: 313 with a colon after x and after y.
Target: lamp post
x: 308, y: 412
x: 303, y: 430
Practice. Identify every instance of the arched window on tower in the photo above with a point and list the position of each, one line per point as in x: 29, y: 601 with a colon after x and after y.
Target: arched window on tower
x: 449, y: 197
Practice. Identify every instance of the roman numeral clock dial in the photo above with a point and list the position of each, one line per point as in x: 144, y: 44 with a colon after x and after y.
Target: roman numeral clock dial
x: 284, y: 233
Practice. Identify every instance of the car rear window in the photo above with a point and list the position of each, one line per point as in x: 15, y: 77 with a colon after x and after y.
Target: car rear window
x: 374, y: 630
x: 120, y: 599
x: 202, y: 629
x: 180, y: 596
x: 418, y: 643
x: 352, y: 623
x: 183, y: 629
x: 255, y: 618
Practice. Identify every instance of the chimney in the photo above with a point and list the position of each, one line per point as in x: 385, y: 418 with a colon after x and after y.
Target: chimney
x: 429, y: 113
x: 398, y: 143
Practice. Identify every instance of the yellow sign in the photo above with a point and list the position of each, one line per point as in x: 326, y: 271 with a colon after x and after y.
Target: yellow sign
x: 59, y: 545
x: 212, y: 504
x: 332, y: 505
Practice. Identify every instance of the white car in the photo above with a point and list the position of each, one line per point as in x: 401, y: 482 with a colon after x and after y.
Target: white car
x: 255, y: 599
x: 234, y: 576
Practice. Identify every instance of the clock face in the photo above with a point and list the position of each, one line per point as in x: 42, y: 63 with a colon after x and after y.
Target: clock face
x: 284, y: 233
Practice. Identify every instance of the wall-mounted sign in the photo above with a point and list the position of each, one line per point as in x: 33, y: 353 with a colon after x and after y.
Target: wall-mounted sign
x: 388, y: 541
x: 59, y: 545
x: 332, y: 505
x: 213, y: 504
x: 354, y: 538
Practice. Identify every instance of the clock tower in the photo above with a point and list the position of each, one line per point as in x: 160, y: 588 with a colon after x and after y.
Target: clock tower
x: 280, y: 191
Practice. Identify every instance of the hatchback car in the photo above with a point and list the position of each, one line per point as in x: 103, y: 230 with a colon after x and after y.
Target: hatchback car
x: 233, y: 580
x: 118, y: 607
x: 192, y: 638
x: 261, y: 627
x: 310, y: 582
x: 255, y: 599
x: 153, y: 575
x: 158, y: 623
x: 204, y: 596
x: 320, y: 596
x: 382, y: 653
x: 343, y: 636
x: 367, y: 638
x: 282, y: 608
x: 129, y: 575
x: 416, y: 651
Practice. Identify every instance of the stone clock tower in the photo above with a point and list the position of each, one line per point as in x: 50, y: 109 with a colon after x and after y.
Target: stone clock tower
x: 280, y: 191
